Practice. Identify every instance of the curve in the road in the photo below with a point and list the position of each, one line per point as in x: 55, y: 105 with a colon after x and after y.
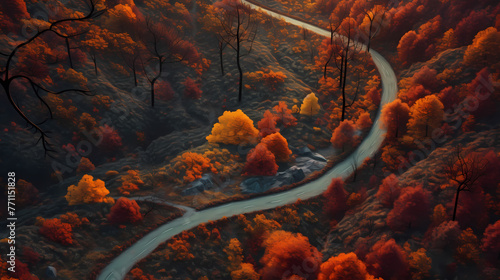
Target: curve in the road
x: 119, y: 267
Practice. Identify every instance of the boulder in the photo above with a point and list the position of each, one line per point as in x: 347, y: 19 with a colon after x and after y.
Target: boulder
x: 306, y: 152
x: 51, y: 272
x: 199, y: 185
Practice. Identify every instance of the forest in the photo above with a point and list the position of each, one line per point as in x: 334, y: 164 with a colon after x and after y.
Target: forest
x: 249, y: 139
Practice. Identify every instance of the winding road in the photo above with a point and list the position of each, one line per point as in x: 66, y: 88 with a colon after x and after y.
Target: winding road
x: 119, y: 267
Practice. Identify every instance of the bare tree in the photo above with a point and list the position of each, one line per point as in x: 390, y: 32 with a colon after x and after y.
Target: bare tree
x: 239, y: 29
x: 464, y: 170
x: 347, y: 52
x: 132, y: 61
x: 375, y: 16
x: 165, y: 46
x: 11, y: 64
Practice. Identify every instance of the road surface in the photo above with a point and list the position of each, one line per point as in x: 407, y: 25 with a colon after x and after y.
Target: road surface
x: 119, y: 267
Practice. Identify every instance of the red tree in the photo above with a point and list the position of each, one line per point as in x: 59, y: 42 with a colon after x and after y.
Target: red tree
x: 364, y: 121
x: 21, y: 272
x: 389, y: 191
x: 260, y: 162
x: 267, y: 125
x: 344, y: 135
x: 426, y: 77
x: 472, y: 211
x: 57, y: 231
x: 344, y: 267
x: 164, y: 91
x: 490, y: 178
x: 26, y: 193
x: 125, y: 211
x: 278, y: 145
x: 192, y: 89
x: 490, y: 243
x: 449, y: 97
x: 286, y: 251
x: 395, y: 115
x: 411, y: 209
x: 415, y: 93
x: 445, y: 235
x: 111, y: 140
x: 387, y: 260
x: 16, y: 11
x: 482, y: 87
x: 335, y: 199
x: 469, y: 26
x: 284, y: 114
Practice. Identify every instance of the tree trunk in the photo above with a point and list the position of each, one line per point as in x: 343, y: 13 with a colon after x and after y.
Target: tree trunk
x: 94, y: 59
x: 68, y: 49
x: 369, y: 35
x: 456, y: 203
x: 240, y: 90
x: 345, y: 79
x: 135, y: 75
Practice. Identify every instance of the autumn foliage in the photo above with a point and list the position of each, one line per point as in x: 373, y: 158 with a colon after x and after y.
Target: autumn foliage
x: 192, y: 89
x: 285, y: 250
x: 344, y: 135
x: 130, y: 182
x: 491, y: 239
x: 267, y: 125
x: 364, y: 121
x: 124, y: 211
x: 192, y: 166
x: 483, y: 50
x: 394, y: 118
x: 234, y: 128
x: 57, y: 231
x: 88, y: 191
x: 26, y: 193
x: 260, y: 162
x: 284, y: 115
x: 344, y: 267
x: 246, y: 272
x: 277, y: 145
x: 164, y: 91
x: 425, y: 116
x: 389, y: 190
x: 111, y: 140
x: 85, y: 166
x: 411, y: 209
x: 310, y: 105
x: 335, y: 199
x: 387, y: 260
x: 268, y: 77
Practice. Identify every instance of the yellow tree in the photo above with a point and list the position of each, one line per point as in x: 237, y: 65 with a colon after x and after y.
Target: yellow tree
x: 234, y: 128
x: 247, y: 272
x: 88, y: 191
x: 420, y: 264
x: 310, y: 105
x: 484, y: 48
x: 94, y: 43
x: 425, y: 116
x: 234, y: 254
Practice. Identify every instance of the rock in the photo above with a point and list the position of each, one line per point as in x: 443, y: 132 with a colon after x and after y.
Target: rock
x: 306, y: 164
x: 309, y: 165
x: 306, y: 152
x: 297, y: 173
x: 253, y: 185
x: 51, y: 272
x: 200, y: 185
